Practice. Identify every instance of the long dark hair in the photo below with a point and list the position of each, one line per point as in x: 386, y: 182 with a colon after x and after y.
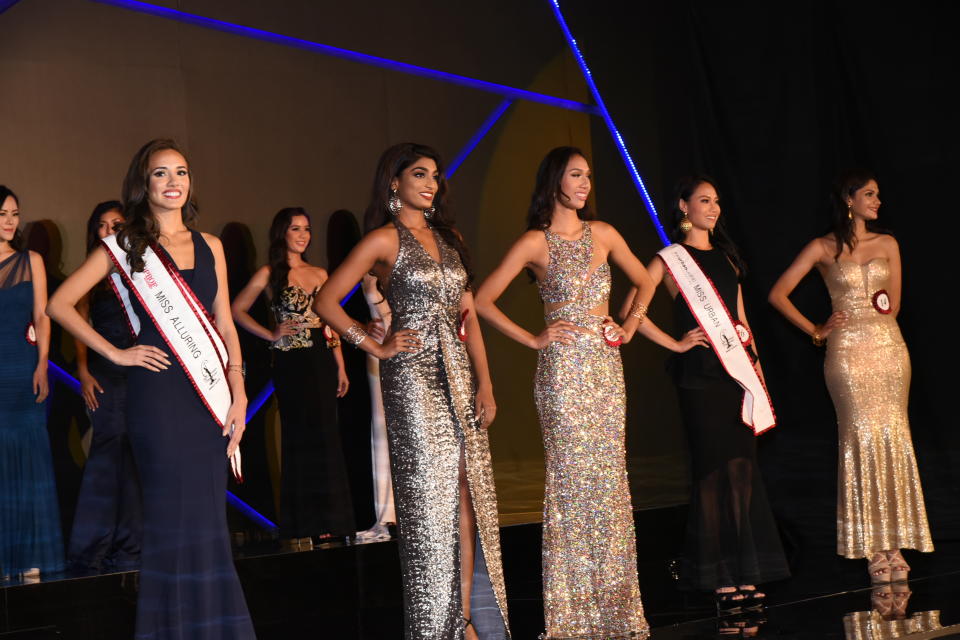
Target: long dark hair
x: 392, y: 163
x: 546, y: 190
x: 17, y: 241
x: 684, y: 190
x: 277, y: 253
x: 848, y: 183
x: 93, y: 222
x: 140, y: 228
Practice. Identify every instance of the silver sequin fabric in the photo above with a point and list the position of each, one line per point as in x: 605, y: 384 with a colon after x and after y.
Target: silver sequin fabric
x: 867, y: 369
x: 590, y: 587
x: 428, y: 399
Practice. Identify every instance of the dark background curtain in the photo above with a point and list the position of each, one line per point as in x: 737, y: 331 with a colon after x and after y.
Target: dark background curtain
x: 772, y: 100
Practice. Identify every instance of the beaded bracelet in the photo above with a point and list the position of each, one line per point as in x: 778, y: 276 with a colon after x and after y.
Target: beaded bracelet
x: 818, y: 340
x: 639, y: 311
x: 355, y: 334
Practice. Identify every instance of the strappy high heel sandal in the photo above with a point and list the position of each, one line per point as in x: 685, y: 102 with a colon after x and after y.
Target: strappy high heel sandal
x: 468, y: 622
x: 899, y: 569
x: 879, y: 568
x: 753, y: 599
x: 729, y: 600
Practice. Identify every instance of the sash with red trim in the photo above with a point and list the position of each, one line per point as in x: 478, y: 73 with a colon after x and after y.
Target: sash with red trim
x: 183, y: 323
x: 728, y: 337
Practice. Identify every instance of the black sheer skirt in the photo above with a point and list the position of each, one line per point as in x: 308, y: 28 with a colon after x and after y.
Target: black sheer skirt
x: 731, y: 536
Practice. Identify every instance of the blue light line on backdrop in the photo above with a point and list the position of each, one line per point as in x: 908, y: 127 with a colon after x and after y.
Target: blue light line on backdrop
x: 478, y: 136
x: 617, y: 138
x: 250, y: 512
x: 6, y: 4
x: 64, y: 377
x: 346, y: 54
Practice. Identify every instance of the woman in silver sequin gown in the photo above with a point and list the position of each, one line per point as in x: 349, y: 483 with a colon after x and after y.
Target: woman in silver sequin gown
x: 590, y: 588
x: 437, y: 400
x: 880, y: 506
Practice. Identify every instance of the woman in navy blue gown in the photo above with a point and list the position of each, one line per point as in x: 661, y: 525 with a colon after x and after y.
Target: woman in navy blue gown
x: 108, y: 524
x: 189, y: 588
x: 30, y: 540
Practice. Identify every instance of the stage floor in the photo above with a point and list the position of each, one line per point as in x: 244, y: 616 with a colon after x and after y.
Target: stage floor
x: 353, y: 592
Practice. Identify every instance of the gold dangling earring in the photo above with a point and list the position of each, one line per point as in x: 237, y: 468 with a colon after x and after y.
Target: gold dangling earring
x: 685, y: 224
x: 849, y: 212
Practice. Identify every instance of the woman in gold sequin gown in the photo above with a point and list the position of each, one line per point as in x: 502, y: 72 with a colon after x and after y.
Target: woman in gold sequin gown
x: 880, y: 506
x: 590, y: 588
x: 437, y: 397
x: 309, y: 376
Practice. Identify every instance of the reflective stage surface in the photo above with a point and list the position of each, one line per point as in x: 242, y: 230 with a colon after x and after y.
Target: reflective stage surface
x: 348, y: 591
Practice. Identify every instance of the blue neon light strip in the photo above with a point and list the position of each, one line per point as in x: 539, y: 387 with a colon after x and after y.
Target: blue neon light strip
x: 617, y: 138
x: 346, y: 54
x: 6, y: 4
x: 250, y: 512
x: 61, y: 374
x: 478, y: 136
x: 260, y: 400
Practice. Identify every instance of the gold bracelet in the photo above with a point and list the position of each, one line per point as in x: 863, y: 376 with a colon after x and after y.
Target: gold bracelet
x: 355, y: 334
x: 818, y: 340
x: 333, y: 343
x: 240, y: 368
x: 639, y: 311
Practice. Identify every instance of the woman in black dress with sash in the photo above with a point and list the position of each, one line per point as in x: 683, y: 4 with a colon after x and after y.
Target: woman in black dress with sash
x: 731, y: 541
x: 188, y: 585
x: 309, y: 376
x: 108, y: 524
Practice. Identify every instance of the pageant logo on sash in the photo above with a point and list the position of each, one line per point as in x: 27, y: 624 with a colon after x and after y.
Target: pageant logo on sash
x: 728, y: 337
x: 881, y: 302
x: 183, y: 323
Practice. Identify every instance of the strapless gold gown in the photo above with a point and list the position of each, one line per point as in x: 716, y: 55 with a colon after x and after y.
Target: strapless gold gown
x: 867, y: 369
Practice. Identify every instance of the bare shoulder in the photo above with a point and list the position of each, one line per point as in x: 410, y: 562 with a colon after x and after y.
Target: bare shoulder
x: 384, y: 236
x: 319, y: 272
x: 603, y: 229
x: 36, y: 261
x: 889, y: 242
x: 212, y: 241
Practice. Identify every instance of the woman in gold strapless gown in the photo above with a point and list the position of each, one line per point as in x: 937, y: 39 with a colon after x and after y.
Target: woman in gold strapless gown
x: 880, y: 506
x: 590, y: 586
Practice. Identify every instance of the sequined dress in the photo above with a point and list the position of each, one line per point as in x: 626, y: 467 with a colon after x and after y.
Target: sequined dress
x: 867, y: 369
x: 590, y: 587
x: 428, y: 399
x: 315, y: 496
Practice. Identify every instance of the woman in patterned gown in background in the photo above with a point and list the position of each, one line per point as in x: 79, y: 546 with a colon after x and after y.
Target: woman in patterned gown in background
x: 880, y: 506
x: 590, y: 586
x: 437, y: 397
x: 309, y: 376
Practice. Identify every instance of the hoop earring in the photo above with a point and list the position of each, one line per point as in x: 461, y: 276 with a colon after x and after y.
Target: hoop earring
x: 394, y: 203
x: 428, y: 213
x: 685, y: 224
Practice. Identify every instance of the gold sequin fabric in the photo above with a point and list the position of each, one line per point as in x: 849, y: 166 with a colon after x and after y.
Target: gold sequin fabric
x: 870, y: 625
x: 867, y: 369
x: 428, y: 399
x: 294, y: 302
x: 590, y: 587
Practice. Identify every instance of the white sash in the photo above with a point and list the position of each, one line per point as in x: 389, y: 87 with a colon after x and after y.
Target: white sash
x: 728, y: 337
x: 183, y: 324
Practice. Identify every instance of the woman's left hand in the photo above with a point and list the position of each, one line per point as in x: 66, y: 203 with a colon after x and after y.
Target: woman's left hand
x: 343, y: 383
x: 40, y: 386
x: 611, y: 330
x: 236, y: 418
x: 486, y: 408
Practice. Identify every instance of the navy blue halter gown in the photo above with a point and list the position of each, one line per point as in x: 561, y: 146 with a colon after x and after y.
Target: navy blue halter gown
x: 189, y: 588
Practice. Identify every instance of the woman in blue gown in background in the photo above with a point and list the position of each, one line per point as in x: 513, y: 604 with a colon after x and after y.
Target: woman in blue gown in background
x: 189, y: 588
x: 108, y: 524
x: 30, y: 538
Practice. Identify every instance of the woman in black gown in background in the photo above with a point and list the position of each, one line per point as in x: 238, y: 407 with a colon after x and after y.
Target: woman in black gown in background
x: 309, y: 376
x: 732, y: 542
x: 189, y: 588
x: 108, y: 523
